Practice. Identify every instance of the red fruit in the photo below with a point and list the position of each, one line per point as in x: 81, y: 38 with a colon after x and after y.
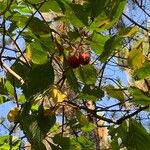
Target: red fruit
x: 73, y: 61
x: 84, y: 58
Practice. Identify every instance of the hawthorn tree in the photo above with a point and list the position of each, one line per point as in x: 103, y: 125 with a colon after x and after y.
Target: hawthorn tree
x: 57, y: 62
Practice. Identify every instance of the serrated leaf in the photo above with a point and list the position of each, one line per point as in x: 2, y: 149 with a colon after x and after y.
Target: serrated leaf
x: 36, y: 125
x: 39, y: 78
x: 76, y: 14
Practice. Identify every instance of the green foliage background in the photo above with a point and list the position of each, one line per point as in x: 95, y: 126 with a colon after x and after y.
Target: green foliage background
x: 52, y: 30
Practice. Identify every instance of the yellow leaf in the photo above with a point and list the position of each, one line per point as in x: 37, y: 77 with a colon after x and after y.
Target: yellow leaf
x: 136, y: 58
x: 128, y: 32
x: 57, y: 95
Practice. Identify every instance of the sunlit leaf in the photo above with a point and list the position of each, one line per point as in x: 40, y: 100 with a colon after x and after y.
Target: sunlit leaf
x: 136, y: 58
x: 57, y: 95
x: 111, y: 13
x: 129, y: 31
x: 36, y: 54
x: 97, y: 42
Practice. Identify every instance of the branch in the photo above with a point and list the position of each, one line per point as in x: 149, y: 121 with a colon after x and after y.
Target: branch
x: 132, y: 114
x: 93, y: 112
x: 142, y: 27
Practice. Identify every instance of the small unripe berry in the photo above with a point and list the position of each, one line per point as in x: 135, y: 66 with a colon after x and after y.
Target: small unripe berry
x: 73, y: 61
x: 84, y: 58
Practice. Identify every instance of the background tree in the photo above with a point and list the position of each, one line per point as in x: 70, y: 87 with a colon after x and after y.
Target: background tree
x: 62, y: 64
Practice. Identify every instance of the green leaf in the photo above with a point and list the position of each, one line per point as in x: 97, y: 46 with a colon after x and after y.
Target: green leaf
x: 54, y: 5
x: 138, y: 138
x: 38, y: 26
x: 3, y: 99
x: 39, y: 78
x: 116, y: 133
x: 63, y: 142
x: 112, y: 44
x: 97, y: 42
x: 49, y: 121
x: 96, y: 7
x: 77, y: 15
x: 82, y: 118
x: 72, y: 80
x: 139, y: 96
x: 9, y: 88
x: 91, y: 93
x: 115, y: 93
x: 110, y: 14
x: 36, y: 125
x: 81, y: 143
x: 87, y: 74
x: 5, y: 142
x: 47, y: 44
x: 88, y: 128
x: 143, y: 72
x: 36, y: 53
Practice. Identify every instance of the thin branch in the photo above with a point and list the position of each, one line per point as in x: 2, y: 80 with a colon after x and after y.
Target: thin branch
x: 13, y: 73
x: 134, y: 22
x: 132, y: 114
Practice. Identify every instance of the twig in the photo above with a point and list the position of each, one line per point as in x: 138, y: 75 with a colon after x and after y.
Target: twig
x: 132, y: 114
x: 13, y: 73
x: 134, y: 22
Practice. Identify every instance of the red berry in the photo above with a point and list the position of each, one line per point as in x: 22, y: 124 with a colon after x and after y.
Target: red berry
x: 84, y: 58
x: 73, y: 61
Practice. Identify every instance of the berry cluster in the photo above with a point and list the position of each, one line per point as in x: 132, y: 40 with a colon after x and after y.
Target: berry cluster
x: 76, y: 60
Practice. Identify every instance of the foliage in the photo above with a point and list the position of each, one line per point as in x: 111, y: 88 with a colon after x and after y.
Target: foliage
x: 60, y: 104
